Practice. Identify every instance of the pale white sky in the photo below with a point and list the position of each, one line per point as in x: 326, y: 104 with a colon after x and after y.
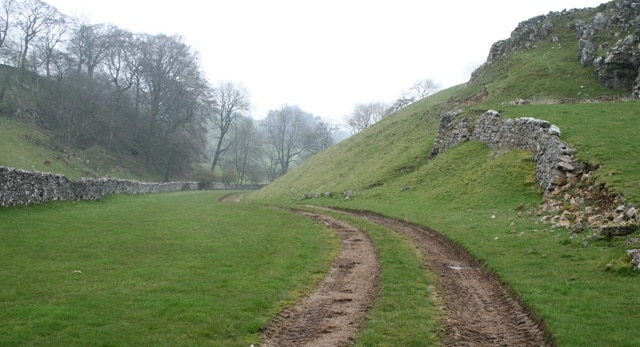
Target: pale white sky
x: 326, y: 56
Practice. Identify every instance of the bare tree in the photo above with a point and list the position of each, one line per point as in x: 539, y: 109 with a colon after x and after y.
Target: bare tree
x: 122, y: 67
x: 229, y: 102
x: 51, y: 37
x: 418, y: 91
x: 365, y: 115
x: 90, y: 44
x: 318, y: 137
x: 9, y: 8
x: 6, y: 19
x: 421, y: 89
x: 283, y: 132
x: 244, y: 151
x: 175, y: 96
x: 34, y: 17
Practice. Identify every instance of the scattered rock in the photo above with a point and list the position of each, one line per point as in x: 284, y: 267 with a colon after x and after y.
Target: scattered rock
x: 631, y: 241
x: 634, y: 254
x: 618, y: 230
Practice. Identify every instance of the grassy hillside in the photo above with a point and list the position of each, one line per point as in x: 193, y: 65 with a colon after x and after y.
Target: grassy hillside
x: 25, y: 146
x: 486, y: 201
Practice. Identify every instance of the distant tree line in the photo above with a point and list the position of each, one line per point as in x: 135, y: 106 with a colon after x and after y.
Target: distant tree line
x: 142, y: 96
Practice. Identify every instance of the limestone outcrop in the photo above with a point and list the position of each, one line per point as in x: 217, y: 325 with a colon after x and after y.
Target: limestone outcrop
x: 608, y: 41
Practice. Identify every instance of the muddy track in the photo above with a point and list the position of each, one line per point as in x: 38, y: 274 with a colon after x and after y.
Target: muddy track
x: 478, y: 309
x: 332, y: 315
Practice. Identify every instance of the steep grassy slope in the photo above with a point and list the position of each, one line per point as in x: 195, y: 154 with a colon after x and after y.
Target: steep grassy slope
x: 486, y: 201
x: 393, y: 147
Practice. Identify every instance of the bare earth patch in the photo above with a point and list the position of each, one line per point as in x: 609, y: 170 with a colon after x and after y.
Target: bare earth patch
x: 333, y: 314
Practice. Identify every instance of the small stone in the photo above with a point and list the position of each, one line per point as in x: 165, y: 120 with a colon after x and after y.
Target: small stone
x: 563, y: 223
x: 631, y: 241
x: 565, y: 166
x: 619, y: 219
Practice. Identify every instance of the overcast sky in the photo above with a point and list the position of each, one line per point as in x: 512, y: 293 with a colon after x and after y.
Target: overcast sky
x: 326, y: 56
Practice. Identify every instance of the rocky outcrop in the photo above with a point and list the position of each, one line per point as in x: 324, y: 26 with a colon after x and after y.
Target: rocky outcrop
x: 555, y: 163
x: 524, y: 36
x: 609, y: 41
x: 618, y: 67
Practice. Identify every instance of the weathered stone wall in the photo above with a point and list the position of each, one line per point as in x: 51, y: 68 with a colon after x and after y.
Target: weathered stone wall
x: 555, y: 163
x: 20, y: 187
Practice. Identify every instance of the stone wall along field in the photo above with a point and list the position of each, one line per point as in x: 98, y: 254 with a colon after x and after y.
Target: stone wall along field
x: 20, y: 187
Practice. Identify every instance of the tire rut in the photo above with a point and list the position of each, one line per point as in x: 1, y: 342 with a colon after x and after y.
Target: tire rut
x: 478, y: 309
x: 332, y: 315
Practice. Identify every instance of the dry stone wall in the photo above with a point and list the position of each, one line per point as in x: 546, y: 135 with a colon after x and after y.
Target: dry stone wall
x: 20, y: 187
x: 555, y: 161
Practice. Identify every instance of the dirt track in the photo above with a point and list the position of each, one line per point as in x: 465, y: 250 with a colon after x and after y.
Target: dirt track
x: 333, y: 314
x: 478, y: 310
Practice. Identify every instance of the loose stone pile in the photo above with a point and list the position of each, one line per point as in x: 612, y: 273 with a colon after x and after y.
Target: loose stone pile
x: 583, y: 205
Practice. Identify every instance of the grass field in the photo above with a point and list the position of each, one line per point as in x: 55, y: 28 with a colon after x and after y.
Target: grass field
x: 182, y: 269
x: 175, y: 269
x: 583, y: 291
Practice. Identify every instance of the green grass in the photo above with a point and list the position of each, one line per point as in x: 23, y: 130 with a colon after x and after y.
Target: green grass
x: 582, y: 286
x: 25, y: 146
x: 581, y: 292
x: 403, y: 314
x: 577, y: 290
x: 603, y: 133
x: 170, y: 269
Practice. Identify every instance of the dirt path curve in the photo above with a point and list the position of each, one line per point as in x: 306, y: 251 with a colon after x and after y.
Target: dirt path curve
x: 478, y: 309
x: 333, y: 314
